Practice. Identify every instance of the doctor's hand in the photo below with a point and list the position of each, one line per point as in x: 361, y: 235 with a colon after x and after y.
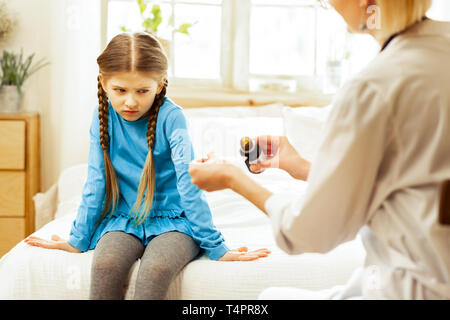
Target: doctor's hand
x: 242, y: 254
x: 56, y: 243
x: 277, y: 152
x: 211, y: 174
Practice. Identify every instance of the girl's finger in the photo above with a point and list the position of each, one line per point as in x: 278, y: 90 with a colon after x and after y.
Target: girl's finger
x: 262, y: 250
x: 247, y: 257
x: 32, y: 243
x: 42, y: 244
x: 37, y: 243
x: 33, y: 238
x: 242, y: 249
x: 262, y: 255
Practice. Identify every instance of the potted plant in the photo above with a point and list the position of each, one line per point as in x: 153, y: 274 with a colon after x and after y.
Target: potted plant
x: 152, y: 20
x: 15, y: 70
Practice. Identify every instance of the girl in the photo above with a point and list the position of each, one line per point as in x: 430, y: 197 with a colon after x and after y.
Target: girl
x: 138, y: 201
x: 380, y: 168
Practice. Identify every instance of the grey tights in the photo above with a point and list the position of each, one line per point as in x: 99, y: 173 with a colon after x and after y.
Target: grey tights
x: 161, y: 261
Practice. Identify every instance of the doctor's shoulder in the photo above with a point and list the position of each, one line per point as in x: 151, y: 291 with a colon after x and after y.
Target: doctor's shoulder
x: 360, y: 95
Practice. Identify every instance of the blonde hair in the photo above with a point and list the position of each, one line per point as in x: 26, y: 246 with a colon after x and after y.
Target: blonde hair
x: 397, y: 15
x: 141, y: 52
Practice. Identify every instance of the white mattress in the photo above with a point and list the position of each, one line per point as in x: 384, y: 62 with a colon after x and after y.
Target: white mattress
x: 34, y: 273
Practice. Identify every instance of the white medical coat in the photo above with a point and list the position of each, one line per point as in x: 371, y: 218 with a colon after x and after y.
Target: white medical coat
x: 378, y: 172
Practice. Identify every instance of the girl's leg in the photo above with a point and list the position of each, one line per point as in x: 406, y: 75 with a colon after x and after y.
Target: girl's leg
x: 163, y: 259
x: 114, y: 256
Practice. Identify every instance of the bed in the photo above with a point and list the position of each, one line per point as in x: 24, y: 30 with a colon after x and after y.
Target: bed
x: 34, y: 273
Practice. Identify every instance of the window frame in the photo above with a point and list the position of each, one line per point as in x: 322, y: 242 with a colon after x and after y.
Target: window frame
x: 235, y: 46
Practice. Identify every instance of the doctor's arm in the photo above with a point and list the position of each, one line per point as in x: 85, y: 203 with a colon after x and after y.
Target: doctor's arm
x: 340, y: 182
x: 212, y: 174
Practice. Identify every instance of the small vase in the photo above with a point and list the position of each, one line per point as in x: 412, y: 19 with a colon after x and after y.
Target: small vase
x: 10, y: 99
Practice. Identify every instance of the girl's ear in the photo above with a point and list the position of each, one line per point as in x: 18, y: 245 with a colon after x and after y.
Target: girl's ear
x: 161, y: 85
x: 102, y: 82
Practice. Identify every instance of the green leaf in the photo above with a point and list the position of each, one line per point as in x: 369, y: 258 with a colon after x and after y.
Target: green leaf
x: 157, y: 17
x: 148, y: 24
x: 16, y: 69
x: 156, y: 11
x: 184, y: 28
x: 142, y: 6
x: 124, y: 29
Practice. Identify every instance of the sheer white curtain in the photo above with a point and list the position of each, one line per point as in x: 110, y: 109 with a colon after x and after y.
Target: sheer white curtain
x: 75, y: 45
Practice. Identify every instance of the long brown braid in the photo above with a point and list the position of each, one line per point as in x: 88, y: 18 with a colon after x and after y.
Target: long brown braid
x: 148, y: 174
x: 140, y: 52
x: 112, y: 187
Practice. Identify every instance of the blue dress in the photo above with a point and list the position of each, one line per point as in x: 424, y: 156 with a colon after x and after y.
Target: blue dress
x: 177, y: 203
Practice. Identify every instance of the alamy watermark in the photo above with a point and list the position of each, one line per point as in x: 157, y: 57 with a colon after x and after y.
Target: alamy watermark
x: 374, y: 20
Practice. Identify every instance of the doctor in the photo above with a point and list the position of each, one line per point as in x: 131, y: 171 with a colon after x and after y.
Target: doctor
x: 380, y: 166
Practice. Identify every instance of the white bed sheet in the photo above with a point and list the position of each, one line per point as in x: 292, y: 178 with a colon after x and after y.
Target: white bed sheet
x: 34, y: 273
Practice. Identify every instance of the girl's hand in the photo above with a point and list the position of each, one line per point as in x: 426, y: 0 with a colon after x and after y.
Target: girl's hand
x: 56, y: 243
x: 212, y: 174
x: 242, y: 254
x: 277, y: 152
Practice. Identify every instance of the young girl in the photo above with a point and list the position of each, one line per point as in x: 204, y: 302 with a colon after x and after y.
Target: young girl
x: 138, y: 200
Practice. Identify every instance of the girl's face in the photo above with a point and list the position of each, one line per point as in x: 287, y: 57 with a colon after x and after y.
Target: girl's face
x: 131, y: 93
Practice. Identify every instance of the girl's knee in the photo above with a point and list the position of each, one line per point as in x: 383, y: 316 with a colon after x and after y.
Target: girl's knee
x: 154, y: 272
x: 106, y: 264
x: 153, y: 281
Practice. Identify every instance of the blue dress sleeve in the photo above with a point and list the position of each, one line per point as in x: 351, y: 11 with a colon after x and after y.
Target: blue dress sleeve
x: 93, y: 194
x: 193, y: 200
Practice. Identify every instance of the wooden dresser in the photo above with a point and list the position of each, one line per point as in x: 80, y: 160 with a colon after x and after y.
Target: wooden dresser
x: 19, y: 176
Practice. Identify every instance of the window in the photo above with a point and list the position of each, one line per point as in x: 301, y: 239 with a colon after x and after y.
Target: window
x: 282, y: 45
x: 195, y: 56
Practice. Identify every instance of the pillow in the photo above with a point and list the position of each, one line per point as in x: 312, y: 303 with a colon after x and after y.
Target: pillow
x: 222, y: 135
x: 304, y: 128
x: 219, y: 129
x: 270, y: 110
x: 70, y: 186
x: 45, y: 204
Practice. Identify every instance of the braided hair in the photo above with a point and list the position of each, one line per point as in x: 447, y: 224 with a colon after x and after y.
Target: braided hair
x: 147, y: 181
x: 112, y: 186
x: 126, y: 52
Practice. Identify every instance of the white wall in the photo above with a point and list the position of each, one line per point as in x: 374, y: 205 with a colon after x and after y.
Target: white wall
x: 66, y: 33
